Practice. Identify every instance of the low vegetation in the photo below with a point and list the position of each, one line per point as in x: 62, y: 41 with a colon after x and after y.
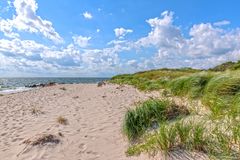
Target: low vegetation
x: 62, y: 120
x: 36, y: 111
x: 63, y: 88
x: 152, y: 80
x: 42, y: 139
x: 216, y: 135
x: 192, y: 136
x: 227, y: 66
x: 149, y: 115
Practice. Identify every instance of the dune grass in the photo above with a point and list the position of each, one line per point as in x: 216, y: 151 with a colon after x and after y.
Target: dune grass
x: 62, y: 120
x: 226, y: 66
x: 217, y: 88
x: 36, y: 111
x: 191, y: 136
x: 222, y: 94
x: 151, y: 80
x: 63, y: 88
x: 192, y: 86
x: 149, y: 115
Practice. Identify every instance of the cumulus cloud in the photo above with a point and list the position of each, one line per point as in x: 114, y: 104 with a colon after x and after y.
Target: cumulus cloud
x: 222, y: 23
x: 6, y: 26
x: 17, y: 47
x: 81, y: 41
x: 121, y: 32
x: 27, y: 20
x: 205, y: 45
x: 163, y: 33
x: 87, y: 15
x: 27, y: 56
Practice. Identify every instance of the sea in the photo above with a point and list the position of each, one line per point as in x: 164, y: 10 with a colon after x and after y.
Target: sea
x: 12, y: 85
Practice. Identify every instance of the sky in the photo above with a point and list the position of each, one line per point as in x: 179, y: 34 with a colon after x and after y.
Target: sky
x: 102, y: 38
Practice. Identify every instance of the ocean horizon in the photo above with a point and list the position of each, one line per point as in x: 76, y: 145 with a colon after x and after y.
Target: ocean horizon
x: 18, y: 84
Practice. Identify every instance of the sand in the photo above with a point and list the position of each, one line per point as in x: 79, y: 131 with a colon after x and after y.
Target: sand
x: 94, y: 116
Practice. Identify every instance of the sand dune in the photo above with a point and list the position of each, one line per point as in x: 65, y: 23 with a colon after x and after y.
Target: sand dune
x: 94, y: 116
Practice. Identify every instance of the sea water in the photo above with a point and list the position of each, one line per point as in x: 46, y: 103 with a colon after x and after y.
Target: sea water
x: 10, y: 85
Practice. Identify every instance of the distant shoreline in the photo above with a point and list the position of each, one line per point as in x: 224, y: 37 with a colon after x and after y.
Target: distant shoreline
x: 12, y: 85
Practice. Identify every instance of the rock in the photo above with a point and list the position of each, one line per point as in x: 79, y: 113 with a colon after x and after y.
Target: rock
x: 100, y: 84
x: 50, y: 84
x: 41, y: 85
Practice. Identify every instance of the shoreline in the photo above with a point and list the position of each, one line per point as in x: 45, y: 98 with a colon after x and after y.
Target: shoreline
x: 16, y: 90
x: 37, y: 86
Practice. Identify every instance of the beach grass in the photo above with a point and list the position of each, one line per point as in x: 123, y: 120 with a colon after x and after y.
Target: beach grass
x: 151, y: 80
x: 191, y: 137
x: 62, y: 120
x: 63, y: 88
x: 192, y: 86
x: 36, y: 111
x: 216, y: 135
x: 149, y: 115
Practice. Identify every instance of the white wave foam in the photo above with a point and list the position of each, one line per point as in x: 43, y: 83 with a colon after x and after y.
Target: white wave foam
x: 14, y: 90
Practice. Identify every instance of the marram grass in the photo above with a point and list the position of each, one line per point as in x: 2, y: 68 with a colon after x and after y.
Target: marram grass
x: 190, y: 136
x: 218, y: 89
x: 148, y: 115
x: 192, y: 86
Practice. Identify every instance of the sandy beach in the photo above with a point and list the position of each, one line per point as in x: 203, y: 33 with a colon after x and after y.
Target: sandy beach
x: 94, y: 120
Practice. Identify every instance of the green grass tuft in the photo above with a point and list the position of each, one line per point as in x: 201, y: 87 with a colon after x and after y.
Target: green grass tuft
x: 192, y: 86
x: 218, y: 89
x: 149, y: 115
x: 190, y: 136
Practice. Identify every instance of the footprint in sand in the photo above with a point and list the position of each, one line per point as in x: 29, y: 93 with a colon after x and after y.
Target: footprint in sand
x: 94, y: 154
x: 3, y: 134
x: 17, y: 139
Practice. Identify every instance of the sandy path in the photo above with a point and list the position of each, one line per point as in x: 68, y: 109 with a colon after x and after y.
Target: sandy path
x: 95, y: 117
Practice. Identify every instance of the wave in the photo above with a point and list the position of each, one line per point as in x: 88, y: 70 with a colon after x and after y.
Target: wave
x: 9, y: 90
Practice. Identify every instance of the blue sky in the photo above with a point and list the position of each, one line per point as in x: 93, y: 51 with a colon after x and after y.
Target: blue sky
x: 105, y: 38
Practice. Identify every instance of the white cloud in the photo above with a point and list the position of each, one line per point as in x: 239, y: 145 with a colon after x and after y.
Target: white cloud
x: 132, y: 63
x: 81, y: 41
x: 206, y: 45
x: 121, y: 32
x: 98, y: 30
x: 27, y: 20
x: 221, y: 23
x: 87, y: 15
x: 6, y: 26
x: 116, y: 42
x: 208, y: 40
x: 17, y: 47
x: 163, y: 33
